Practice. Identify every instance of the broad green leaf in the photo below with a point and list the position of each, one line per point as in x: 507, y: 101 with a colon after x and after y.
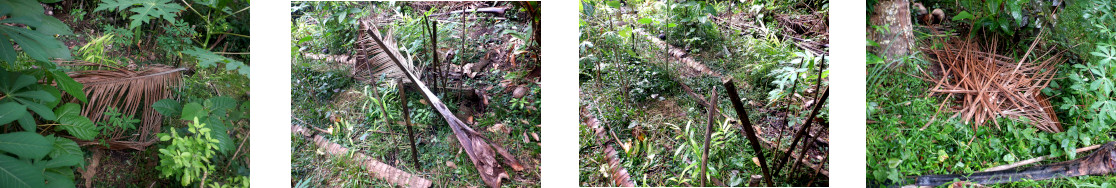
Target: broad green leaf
x: 614, y: 4
x: 42, y: 110
x: 63, y: 161
x: 219, y: 106
x: 35, y: 94
x: 144, y: 10
x: 53, y: 26
x: 672, y: 25
x: 168, y: 107
x: 18, y: 173
x: 7, y: 51
x: 67, y: 84
x: 68, y: 109
x: 963, y: 15
x: 207, y: 59
x: 11, y: 111
x: 59, y: 177
x: 30, y: 11
x: 26, y: 145
x: 193, y: 110
x: 37, y: 45
x: 78, y: 126
x: 645, y: 20
x: 63, y: 146
x: 219, y: 131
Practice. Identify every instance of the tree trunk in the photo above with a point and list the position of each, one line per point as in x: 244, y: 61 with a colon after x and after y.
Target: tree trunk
x: 895, y: 37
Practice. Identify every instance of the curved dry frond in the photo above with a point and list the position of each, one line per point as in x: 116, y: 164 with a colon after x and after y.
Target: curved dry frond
x: 133, y: 92
x: 371, y: 61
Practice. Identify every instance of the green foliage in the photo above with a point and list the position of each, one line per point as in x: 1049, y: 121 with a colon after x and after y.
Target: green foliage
x: 693, y: 27
x: 36, y: 39
x: 71, y: 120
x: 792, y: 72
x: 187, y: 158
x: 38, y: 161
x: 319, y: 85
x: 218, y: 112
x: 207, y: 59
x: 116, y: 121
x: 144, y: 10
x: 94, y: 51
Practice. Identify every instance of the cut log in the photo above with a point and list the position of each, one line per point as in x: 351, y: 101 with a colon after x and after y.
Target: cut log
x: 378, y: 169
x: 615, y: 169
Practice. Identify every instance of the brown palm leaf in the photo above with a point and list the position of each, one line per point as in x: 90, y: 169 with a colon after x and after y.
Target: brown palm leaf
x: 132, y: 92
x: 372, y: 61
x: 479, y: 148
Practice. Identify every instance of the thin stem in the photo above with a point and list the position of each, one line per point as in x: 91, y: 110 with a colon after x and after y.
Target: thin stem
x: 233, y: 34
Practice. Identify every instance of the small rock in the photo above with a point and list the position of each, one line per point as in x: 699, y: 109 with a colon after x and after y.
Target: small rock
x: 499, y: 128
x: 451, y: 165
x: 519, y: 92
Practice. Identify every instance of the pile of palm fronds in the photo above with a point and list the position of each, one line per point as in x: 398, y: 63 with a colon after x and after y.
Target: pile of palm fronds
x: 130, y: 91
x: 988, y: 86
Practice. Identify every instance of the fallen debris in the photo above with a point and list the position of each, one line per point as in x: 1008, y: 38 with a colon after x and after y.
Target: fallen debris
x: 989, y: 86
x: 478, y: 147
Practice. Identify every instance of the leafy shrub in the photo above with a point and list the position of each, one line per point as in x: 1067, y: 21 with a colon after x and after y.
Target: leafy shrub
x: 793, y: 72
x: 650, y: 80
x: 218, y: 113
x: 187, y: 158
x: 692, y: 27
x: 116, y: 121
x: 207, y: 59
x: 143, y: 10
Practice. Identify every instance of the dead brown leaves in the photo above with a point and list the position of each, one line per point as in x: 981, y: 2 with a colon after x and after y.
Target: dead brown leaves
x: 987, y: 86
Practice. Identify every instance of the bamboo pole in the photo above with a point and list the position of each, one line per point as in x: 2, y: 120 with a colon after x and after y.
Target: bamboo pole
x: 805, y: 127
x: 407, y: 120
x: 711, y: 112
x: 748, y: 130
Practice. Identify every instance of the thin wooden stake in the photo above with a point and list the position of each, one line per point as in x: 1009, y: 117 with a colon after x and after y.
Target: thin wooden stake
x: 708, y: 134
x: 407, y: 120
x: 805, y: 127
x: 748, y: 130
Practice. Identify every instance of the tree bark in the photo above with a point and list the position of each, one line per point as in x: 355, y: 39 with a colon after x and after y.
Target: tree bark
x: 896, y: 36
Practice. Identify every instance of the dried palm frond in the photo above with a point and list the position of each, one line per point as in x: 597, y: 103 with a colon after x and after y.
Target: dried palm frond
x: 133, y: 92
x: 989, y: 85
x: 481, y: 151
x: 370, y: 61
